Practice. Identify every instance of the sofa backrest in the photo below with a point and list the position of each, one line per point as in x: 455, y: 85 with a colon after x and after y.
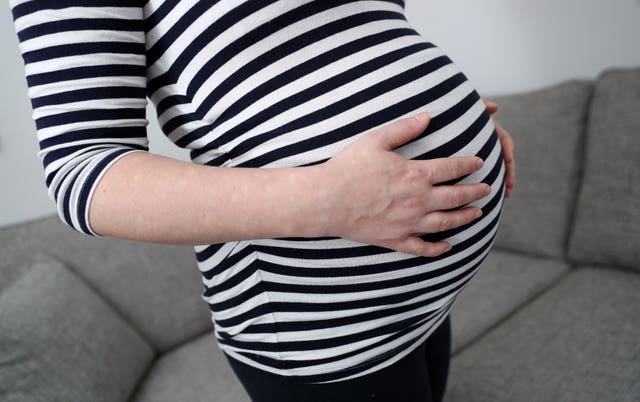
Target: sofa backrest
x: 155, y: 288
x: 607, y: 225
x: 547, y: 127
x: 59, y: 341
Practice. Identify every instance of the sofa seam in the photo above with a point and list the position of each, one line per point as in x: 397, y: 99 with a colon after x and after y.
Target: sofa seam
x: 583, y: 148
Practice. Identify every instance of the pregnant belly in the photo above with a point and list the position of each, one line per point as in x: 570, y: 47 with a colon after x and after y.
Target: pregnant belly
x: 344, y: 271
x: 308, y: 120
x: 294, y: 291
x: 294, y: 84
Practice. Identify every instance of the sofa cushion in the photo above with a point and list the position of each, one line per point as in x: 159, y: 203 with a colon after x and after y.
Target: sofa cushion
x: 547, y: 127
x: 577, y: 342
x: 607, y: 227
x: 155, y: 287
x: 61, y: 342
x: 195, y: 371
x: 504, y: 283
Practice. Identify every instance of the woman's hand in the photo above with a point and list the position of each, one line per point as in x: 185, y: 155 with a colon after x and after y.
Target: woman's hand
x: 507, y: 147
x: 367, y: 193
x: 384, y: 199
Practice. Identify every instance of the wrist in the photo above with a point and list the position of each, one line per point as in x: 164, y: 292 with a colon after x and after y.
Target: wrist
x: 318, y: 215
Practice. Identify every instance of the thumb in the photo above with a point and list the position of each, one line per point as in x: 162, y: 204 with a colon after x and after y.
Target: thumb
x: 402, y: 131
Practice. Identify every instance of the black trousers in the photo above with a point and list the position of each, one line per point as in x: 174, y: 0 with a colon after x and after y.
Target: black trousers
x: 420, y: 376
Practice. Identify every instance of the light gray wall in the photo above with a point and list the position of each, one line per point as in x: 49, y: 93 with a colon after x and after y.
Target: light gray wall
x: 503, y: 46
x: 509, y: 46
x: 22, y: 189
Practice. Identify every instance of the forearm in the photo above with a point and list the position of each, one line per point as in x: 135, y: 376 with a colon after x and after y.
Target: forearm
x: 157, y: 199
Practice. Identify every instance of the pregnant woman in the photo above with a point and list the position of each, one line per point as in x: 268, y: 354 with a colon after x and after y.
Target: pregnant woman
x: 338, y: 200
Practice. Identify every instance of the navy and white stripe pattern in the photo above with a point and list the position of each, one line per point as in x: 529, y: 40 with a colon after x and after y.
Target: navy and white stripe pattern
x: 269, y: 83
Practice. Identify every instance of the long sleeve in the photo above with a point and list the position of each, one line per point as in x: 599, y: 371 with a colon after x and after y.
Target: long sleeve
x: 85, y: 68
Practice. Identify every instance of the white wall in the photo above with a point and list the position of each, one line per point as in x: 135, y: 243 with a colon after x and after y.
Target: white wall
x: 502, y: 45
x: 517, y: 45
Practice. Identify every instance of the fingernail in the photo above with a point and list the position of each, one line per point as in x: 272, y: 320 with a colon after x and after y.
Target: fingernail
x: 422, y: 117
x: 478, y: 213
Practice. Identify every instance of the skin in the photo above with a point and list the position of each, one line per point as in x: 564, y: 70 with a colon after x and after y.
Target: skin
x: 364, y: 188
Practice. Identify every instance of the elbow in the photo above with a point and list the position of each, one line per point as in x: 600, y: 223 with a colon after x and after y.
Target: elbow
x: 71, y: 183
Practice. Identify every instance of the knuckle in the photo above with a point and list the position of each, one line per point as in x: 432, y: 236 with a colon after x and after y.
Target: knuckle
x: 416, y: 246
x: 453, y: 166
x: 405, y: 247
x: 413, y: 174
x: 412, y: 203
x: 446, y: 222
x: 457, y: 197
x: 413, y: 248
x: 429, y: 173
x: 429, y: 250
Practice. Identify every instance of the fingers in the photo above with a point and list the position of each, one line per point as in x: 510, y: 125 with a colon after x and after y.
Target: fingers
x: 505, y: 141
x: 402, y: 131
x: 437, y: 221
x: 416, y: 246
x: 444, y: 169
x: 440, y: 221
x: 511, y: 178
x: 491, y: 106
x: 448, y: 197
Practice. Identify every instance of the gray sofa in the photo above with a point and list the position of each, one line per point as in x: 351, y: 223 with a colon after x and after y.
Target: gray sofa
x: 553, y: 314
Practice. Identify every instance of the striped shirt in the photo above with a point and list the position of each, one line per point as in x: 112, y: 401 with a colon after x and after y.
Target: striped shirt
x: 267, y: 83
